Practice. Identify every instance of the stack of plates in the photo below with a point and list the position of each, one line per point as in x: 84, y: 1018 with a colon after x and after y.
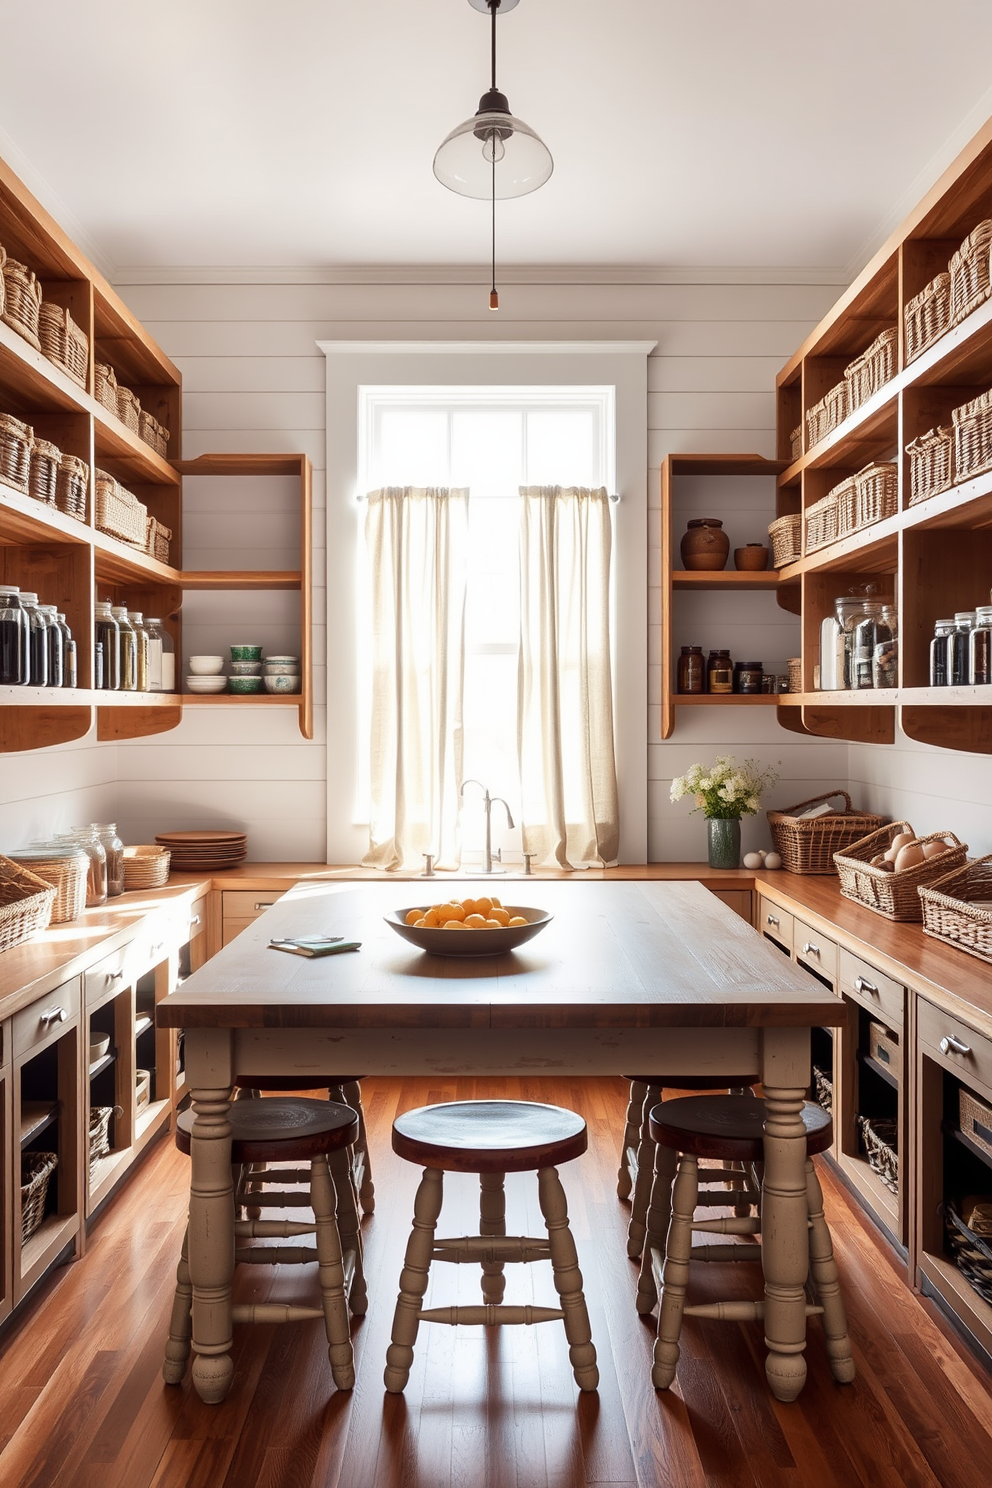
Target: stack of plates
x: 196, y: 851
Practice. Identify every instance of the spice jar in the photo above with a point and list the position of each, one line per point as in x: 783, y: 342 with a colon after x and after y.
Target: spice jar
x: 751, y: 676
x: 959, y: 649
x: 719, y: 672
x: 691, y: 670
x: 980, y: 655
x: 938, y: 653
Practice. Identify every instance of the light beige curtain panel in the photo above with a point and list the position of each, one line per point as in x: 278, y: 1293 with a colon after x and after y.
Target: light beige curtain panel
x: 416, y: 539
x: 568, y: 778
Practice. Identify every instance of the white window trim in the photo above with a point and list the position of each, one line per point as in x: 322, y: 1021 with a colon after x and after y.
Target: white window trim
x: 350, y: 364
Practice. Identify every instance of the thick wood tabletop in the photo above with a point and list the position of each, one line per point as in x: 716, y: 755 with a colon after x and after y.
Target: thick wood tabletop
x: 620, y: 954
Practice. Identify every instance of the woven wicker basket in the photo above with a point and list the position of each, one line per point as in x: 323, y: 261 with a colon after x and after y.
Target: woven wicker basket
x: 821, y: 522
x: 845, y: 495
x: 927, y: 316
x: 3, y: 260
x: 129, y: 409
x: 36, y: 1171
x: 975, y: 1118
x: 879, y: 1135
x: 100, y: 1119
x: 16, y: 440
x: 105, y: 385
x: 786, y: 539
x: 931, y: 464
x: 973, y: 436
x: 795, y: 673
x: 876, y: 492
x: 25, y: 904
x: 872, y: 369
x: 64, y: 342
x: 893, y: 895
x: 827, y: 415
x: 154, y: 433
x: 118, y: 512
x: 957, y: 908
x: 157, y: 539
x: 883, y: 1047
x: 43, y: 473
x: 146, y: 867
x: 969, y: 271
x: 796, y: 442
x: 809, y: 846
x: 823, y: 1088
x: 972, y: 1254
x: 22, y: 301
x: 67, y: 875
x: 73, y: 485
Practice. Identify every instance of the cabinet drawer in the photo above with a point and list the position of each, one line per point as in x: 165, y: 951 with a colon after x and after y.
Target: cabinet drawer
x: 245, y: 904
x: 775, y: 922
x: 45, y: 1019
x: 814, y: 949
x: 195, y: 922
x: 872, y: 989
x: 970, y: 1053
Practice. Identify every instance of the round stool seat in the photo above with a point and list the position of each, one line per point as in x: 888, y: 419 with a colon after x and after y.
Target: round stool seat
x: 264, y: 1130
x: 294, y: 1082
x: 489, y: 1136
x: 695, y: 1082
x: 729, y: 1126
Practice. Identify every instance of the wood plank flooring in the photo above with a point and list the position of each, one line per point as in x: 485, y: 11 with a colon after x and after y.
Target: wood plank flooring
x: 82, y: 1403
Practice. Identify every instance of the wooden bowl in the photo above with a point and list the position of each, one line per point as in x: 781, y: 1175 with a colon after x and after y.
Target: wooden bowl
x: 752, y: 559
x: 470, y: 942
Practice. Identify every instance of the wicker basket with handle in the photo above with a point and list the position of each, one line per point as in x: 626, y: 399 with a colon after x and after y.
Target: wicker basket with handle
x: 872, y: 369
x: 969, y: 271
x: 973, y: 436
x: 927, y: 316
x: 808, y: 846
x: 25, y: 904
x: 845, y: 495
x: 821, y: 522
x: 22, y: 301
x: 118, y: 512
x: 105, y: 385
x: 43, y: 473
x: 63, y: 341
x: 876, y: 492
x: 827, y: 415
x: 129, y: 409
x: 16, y: 440
x: 931, y: 464
x: 100, y: 1119
x: 786, y: 535
x: 957, y: 908
x: 893, y: 895
x: 66, y: 872
x: 879, y: 1135
x: 73, y: 484
x: 157, y: 539
x: 36, y: 1171
x: 154, y: 433
x: 796, y: 442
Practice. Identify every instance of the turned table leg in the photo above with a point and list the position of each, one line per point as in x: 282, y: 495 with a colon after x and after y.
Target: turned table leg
x: 211, y: 1218
x: 784, y: 1213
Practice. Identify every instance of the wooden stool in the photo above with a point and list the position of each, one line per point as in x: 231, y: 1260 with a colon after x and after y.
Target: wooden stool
x: 490, y: 1138
x: 345, y: 1090
x: 729, y: 1127
x: 637, y: 1149
x: 276, y: 1131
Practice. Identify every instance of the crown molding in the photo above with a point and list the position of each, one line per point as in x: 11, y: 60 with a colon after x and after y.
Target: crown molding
x: 487, y: 348
x: 55, y: 206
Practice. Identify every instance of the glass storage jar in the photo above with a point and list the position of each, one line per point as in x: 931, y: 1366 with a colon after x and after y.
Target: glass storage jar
x: 96, y: 879
x: 38, y: 639
x: 141, y: 637
x: 980, y: 654
x: 106, y: 632
x: 691, y: 670
x: 114, y: 849
x: 15, y: 660
x: 959, y: 649
x: 161, y: 657
x: 938, y: 653
x: 129, y: 649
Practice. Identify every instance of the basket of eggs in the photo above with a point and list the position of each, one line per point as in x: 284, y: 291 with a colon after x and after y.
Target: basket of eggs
x: 885, y: 869
x: 468, y: 927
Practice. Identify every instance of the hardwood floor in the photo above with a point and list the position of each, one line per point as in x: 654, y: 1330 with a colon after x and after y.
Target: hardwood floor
x: 82, y: 1403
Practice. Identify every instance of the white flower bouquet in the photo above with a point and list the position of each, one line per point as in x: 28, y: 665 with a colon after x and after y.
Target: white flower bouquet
x: 724, y: 790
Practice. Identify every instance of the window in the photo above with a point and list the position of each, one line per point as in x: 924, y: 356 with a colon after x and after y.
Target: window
x: 492, y: 440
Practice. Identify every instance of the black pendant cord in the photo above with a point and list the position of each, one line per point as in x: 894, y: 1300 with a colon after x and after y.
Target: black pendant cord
x: 493, y: 292
x: 493, y: 7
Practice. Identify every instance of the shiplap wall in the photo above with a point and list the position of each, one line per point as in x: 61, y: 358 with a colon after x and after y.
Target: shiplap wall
x: 50, y: 790
x: 935, y: 790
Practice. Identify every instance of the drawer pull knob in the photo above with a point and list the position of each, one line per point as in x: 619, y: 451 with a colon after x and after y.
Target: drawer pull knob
x: 157, y: 946
x: 863, y: 985
x: 809, y: 949
x: 267, y: 905
x: 771, y: 919
x: 54, y: 1015
x: 194, y: 920
x: 949, y: 1044
x: 115, y: 976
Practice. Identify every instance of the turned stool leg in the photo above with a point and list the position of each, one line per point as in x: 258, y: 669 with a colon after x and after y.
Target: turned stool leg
x: 823, y: 1271
x: 675, y: 1276
x: 657, y: 1220
x: 645, y: 1172
x: 331, y: 1273
x: 492, y: 1221
x: 177, y: 1348
x: 413, y: 1280
x: 568, y: 1279
x: 366, y: 1193
x: 349, y: 1227
x: 631, y: 1136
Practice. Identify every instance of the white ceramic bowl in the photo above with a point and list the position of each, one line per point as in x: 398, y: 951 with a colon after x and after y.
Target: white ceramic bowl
x: 281, y: 682
x: 99, y: 1044
x: 282, y: 661
x: 281, y: 669
x: 206, y: 684
x: 206, y: 666
x: 245, y: 668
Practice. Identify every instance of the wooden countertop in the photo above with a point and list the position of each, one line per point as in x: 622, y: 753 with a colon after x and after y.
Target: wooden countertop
x: 275, y: 875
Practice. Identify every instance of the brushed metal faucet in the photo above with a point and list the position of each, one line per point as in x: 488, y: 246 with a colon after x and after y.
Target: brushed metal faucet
x: 488, y: 804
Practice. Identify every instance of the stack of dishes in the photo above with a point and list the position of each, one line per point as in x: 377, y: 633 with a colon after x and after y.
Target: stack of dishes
x: 195, y: 852
x: 146, y: 867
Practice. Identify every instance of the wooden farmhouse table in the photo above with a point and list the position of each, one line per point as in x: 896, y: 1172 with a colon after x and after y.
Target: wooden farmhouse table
x: 629, y: 977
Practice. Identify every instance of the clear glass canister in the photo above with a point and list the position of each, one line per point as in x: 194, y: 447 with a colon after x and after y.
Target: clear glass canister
x: 959, y: 649
x: 850, y: 612
x: 161, y: 657
x: 864, y: 637
x: 938, y: 653
x: 70, y: 667
x: 107, y: 634
x: 141, y: 637
x: 114, y: 849
x: 38, y: 645
x: 980, y: 640
x: 56, y: 647
x: 15, y: 662
x: 96, y: 879
x: 129, y: 649
x: 885, y: 662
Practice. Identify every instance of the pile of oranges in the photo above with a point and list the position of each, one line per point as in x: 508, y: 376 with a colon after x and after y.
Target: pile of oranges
x: 465, y: 914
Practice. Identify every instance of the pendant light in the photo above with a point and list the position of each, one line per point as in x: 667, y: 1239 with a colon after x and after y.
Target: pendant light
x: 493, y: 156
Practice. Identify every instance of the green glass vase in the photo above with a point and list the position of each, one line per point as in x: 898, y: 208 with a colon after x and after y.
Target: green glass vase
x: 723, y: 840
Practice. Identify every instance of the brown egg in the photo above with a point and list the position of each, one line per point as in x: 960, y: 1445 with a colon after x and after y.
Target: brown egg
x: 901, y: 840
x: 886, y: 866
x: 909, y: 856
x: 934, y: 849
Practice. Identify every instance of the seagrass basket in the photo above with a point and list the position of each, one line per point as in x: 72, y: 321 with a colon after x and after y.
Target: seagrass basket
x: 154, y: 433
x: 827, y: 415
x: 957, y: 908
x: 73, y: 484
x: 105, y: 385
x: 100, y: 1119
x: 975, y: 1119
x: 893, y: 895
x: 972, y: 436
x: 971, y: 1253
x: 872, y: 369
x: 43, y: 472
x: 16, y: 440
x: 157, y: 539
x: 22, y: 301
x: 809, y: 846
x: 119, y: 513
x: 786, y: 536
x: 879, y: 1136
x: 845, y: 495
x: 876, y: 492
x: 146, y: 867
x: 129, y: 409
x: 36, y: 1172
x: 3, y: 260
x: 25, y: 904
x: 969, y: 271
x: 67, y: 874
x: 796, y: 442
x: 63, y: 341
x: 823, y: 1089
x: 927, y: 316
x: 821, y: 522
x: 931, y: 464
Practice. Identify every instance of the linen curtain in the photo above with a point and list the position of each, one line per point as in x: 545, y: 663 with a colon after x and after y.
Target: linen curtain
x: 416, y: 539
x: 568, y: 781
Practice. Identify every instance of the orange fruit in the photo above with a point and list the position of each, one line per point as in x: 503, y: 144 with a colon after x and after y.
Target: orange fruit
x: 431, y: 920
x: 483, y: 906
x: 518, y: 920
x: 494, y: 902
x: 454, y: 925
x: 499, y: 914
x: 474, y: 921
x: 413, y: 915
x: 450, y: 911
x: 469, y: 906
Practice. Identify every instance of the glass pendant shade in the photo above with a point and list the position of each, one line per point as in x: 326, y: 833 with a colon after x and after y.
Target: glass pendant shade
x: 464, y: 160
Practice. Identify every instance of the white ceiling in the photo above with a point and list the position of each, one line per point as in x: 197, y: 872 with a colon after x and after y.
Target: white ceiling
x: 790, y: 133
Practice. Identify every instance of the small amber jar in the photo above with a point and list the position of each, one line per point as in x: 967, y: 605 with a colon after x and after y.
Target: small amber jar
x: 691, y: 670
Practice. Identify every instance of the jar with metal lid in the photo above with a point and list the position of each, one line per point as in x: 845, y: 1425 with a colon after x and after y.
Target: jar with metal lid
x: 161, y: 657
x: 55, y: 639
x: 959, y: 649
x: 864, y: 638
x: 691, y: 670
x: 141, y: 637
x: 938, y: 653
x: 129, y: 648
x: 96, y: 879
x: 751, y: 675
x: 885, y: 661
x: 980, y: 653
x: 38, y: 642
x: 114, y: 849
x: 15, y: 638
x: 70, y: 665
x: 720, y: 672
x: 109, y: 637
